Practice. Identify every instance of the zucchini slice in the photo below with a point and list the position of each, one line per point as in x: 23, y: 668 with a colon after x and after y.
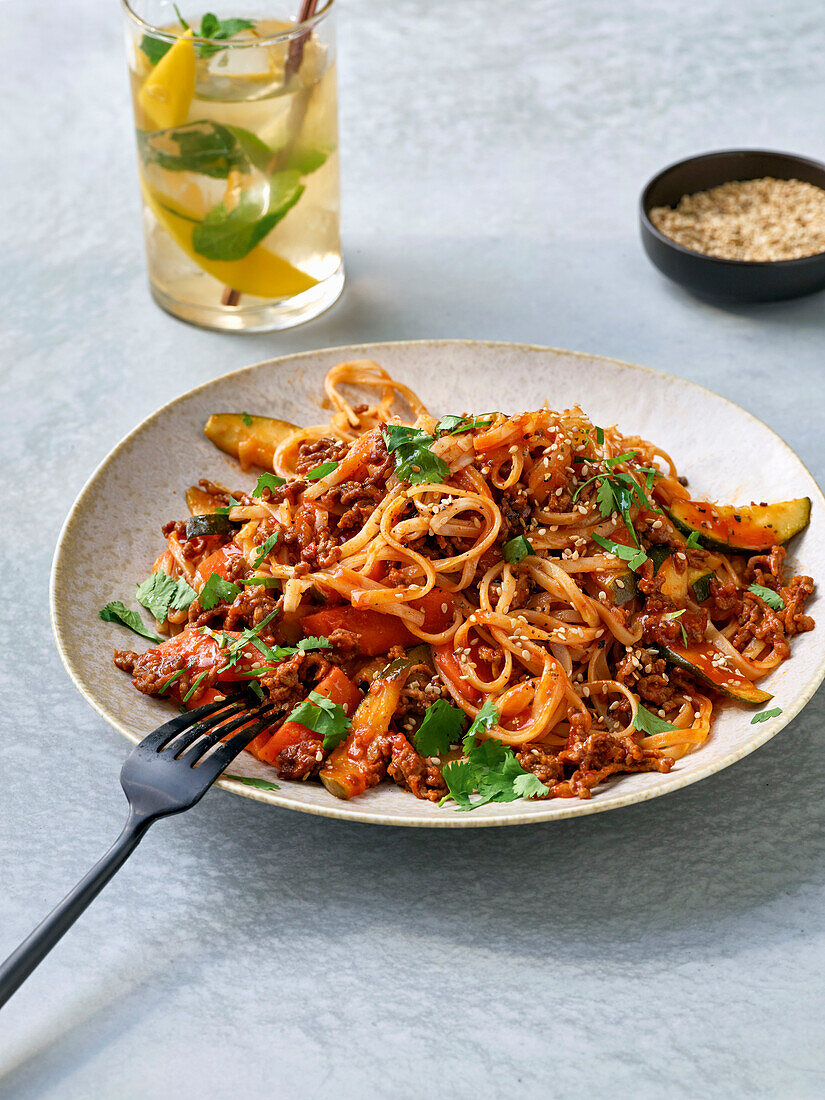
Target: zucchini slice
x: 727, y: 681
x: 250, y: 439
x: 206, y: 525
x: 623, y: 588
x: 675, y: 584
x: 752, y: 528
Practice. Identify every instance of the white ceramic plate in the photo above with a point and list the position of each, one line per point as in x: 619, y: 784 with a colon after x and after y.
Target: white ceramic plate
x: 112, y: 533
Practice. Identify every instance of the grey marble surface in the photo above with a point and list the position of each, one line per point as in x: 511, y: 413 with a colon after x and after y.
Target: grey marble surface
x: 492, y: 159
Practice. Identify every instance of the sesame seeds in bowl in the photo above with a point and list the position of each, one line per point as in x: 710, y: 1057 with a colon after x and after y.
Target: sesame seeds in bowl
x: 739, y: 225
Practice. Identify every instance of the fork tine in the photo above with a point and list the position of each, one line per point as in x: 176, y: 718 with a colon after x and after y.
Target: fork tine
x: 223, y: 756
x: 216, y: 733
x: 178, y: 744
x: 161, y: 737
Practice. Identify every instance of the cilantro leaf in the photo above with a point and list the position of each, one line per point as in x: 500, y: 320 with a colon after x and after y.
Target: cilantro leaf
x: 461, y: 778
x: 160, y: 592
x: 317, y: 472
x: 486, y: 718
x: 232, y: 504
x: 268, y: 481
x: 693, y: 541
x: 528, y: 785
x: 517, y: 549
x: 251, y: 781
x: 321, y: 715
x: 217, y: 590
x: 247, y: 419
x: 442, y: 726
x: 493, y: 772
x: 765, y: 715
x: 232, y: 234
x: 605, y: 499
x: 771, y: 598
x: 648, y: 722
x: 117, y: 612
x: 633, y: 556
x: 265, y: 549
x: 457, y: 425
x: 414, y: 461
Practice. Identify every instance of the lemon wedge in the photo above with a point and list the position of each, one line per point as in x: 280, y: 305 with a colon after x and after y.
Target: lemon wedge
x: 261, y: 272
x: 166, y: 94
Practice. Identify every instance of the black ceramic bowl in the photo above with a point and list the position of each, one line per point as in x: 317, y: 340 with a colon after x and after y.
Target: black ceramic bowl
x: 729, y: 280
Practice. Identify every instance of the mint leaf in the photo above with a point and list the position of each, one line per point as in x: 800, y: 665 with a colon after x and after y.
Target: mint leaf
x: 160, y: 592
x: 415, y: 463
x: 154, y: 48
x: 207, y: 148
x: 771, y: 598
x: 264, y: 550
x: 217, y: 590
x: 442, y: 726
x: 231, y: 235
x: 648, y: 722
x: 267, y: 481
x: 765, y: 715
x: 317, y: 472
x: 117, y: 612
x: 517, y: 549
x: 322, y: 716
x: 218, y: 30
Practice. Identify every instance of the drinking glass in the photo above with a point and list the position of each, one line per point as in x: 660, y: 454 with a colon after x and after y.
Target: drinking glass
x: 236, y: 118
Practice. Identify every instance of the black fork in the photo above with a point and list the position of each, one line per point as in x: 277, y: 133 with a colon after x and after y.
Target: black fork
x: 165, y: 774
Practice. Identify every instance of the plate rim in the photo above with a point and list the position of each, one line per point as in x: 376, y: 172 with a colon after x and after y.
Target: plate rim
x: 577, y: 807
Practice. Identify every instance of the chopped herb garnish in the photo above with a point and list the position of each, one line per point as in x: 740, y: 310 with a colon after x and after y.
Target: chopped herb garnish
x: 247, y: 419
x: 217, y: 590
x: 693, y: 542
x: 517, y: 549
x: 673, y: 615
x: 492, y: 771
x: 172, y: 678
x: 771, y: 598
x: 766, y: 715
x: 457, y: 425
x: 600, y: 436
x: 633, y: 556
x: 117, y: 612
x: 196, y: 683
x: 321, y: 715
x: 317, y: 472
x: 265, y: 549
x: 251, y: 781
x: 160, y: 593
x: 268, y: 481
x: 415, y: 463
x: 486, y: 718
x: 312, y: 642
x: 442, y: 726
x: 232, y: 504
x: 648, y: 722
x: 262, y: 582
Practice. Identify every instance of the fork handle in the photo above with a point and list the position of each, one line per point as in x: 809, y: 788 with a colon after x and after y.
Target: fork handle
x: 18, y: 966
